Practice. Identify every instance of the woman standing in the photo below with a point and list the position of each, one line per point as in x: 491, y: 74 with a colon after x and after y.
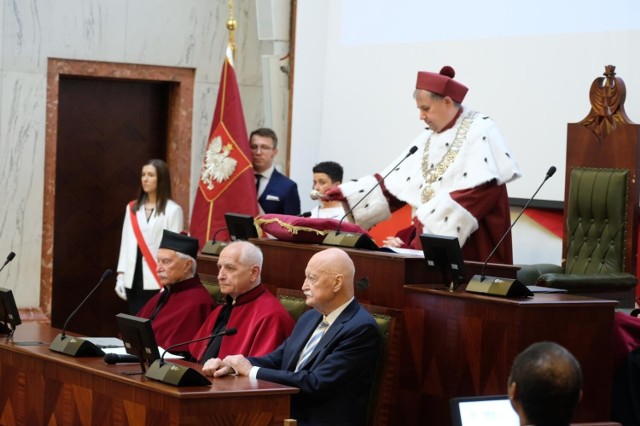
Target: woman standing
x: 144, y: 220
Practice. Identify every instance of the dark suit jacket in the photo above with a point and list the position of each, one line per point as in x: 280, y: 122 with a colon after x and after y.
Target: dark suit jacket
x: 334, y: 383
x: 280, y: 196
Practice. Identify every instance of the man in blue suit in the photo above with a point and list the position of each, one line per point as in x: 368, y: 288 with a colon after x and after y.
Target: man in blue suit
x: 331, y: 353
x: 276, y: 192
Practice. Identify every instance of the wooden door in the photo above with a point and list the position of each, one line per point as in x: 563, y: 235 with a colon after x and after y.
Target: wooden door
x: 107, y: 130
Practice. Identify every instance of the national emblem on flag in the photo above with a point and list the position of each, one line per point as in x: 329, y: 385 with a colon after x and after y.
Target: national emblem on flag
x: 223, y: 162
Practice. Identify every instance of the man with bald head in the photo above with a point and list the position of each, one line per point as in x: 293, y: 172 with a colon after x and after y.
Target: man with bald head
x: 331, y: 353
x: 545, y: 385
x: 261, y: 320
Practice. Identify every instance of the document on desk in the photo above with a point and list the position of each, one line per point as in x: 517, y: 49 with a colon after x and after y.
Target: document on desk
x: 105, y: 342
x: 113, y: 345
x: 123, y: 351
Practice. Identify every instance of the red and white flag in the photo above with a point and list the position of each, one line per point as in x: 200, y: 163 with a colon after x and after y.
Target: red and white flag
x: 227, y: 181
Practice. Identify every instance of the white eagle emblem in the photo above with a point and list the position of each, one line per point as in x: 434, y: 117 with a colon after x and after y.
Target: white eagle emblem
x: 217, y: 165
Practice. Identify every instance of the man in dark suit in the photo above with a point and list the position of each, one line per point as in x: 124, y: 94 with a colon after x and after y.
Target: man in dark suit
x: 276, y: 192
x: 331, y: 353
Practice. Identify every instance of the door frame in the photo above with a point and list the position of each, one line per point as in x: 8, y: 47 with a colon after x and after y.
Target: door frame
x: 179, y: 135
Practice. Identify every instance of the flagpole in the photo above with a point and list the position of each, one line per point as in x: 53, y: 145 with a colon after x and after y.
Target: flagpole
x: 232, y: 24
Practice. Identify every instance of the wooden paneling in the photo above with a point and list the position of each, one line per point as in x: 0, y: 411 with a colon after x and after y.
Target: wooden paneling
x: 41, y: 387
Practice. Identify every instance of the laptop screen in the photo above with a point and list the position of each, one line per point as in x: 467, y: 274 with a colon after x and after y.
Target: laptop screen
x: 483, y: 411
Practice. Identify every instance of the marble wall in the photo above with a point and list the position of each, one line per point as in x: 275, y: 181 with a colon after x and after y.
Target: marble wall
x: 176, y: 33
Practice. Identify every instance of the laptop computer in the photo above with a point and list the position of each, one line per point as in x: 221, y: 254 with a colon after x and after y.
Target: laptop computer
x: 483, y: 411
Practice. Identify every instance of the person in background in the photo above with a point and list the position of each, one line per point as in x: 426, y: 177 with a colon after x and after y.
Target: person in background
x: 261, y: 320
x: 276, y: 192
x: 545, y: 385
x: 456, y: 180
x: 331, y: 353
x: 326, y: 174
x: 183, y: 305
x: 144, y: 220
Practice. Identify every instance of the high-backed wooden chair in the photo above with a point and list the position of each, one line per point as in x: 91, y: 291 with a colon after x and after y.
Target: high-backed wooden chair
x: 601, y: 199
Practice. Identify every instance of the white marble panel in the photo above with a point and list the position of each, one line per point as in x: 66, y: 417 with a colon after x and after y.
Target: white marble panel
x: 211, y: 41
x: 2, y: 5
x: 204, y: 100
x: 26, y: 30
x: 88, y: 30
x: 163, y: 32
x: 22, y: 126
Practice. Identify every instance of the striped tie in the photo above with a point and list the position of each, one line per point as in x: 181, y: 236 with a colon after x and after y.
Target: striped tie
x: 312, y: 343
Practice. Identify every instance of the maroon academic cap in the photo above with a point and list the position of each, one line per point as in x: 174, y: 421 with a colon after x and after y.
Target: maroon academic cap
x: 442, y: 83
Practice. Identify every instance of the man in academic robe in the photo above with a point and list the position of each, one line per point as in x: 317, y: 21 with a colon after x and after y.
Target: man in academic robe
x: 261, y: 320
x: 456, y: 180
x: 276, y: 192
x: 331, y: 353
x: 179, y: 310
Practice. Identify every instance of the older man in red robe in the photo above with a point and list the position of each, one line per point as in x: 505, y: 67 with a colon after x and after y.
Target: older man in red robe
x: 261, y: 320
x: 178, y: 311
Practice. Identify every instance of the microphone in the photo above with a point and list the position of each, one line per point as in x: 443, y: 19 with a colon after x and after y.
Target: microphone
x: 111, y: 358
x: 181, y: 375
x: 305, y: 214
x: 75, y: 346
x: 410, y: 153
x: 504, y: 286
x: 334, y: 238
x: 9, y: 259
x: 213, y: 247
x: 228, y: 332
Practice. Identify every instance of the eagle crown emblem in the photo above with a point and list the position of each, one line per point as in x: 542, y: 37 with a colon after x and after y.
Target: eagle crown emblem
x: 218, y: 165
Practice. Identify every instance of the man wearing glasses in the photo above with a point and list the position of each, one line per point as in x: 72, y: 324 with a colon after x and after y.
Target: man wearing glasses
x: 276, y: 192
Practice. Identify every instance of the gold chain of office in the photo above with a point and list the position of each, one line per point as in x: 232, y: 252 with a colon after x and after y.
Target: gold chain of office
x: 433, y: 173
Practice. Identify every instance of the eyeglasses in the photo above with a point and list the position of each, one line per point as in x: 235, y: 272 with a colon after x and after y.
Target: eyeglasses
x: 260, y: 148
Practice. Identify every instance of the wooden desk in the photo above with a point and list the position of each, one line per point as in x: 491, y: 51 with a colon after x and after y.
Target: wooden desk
x: 41, y: 387
x: 461, y: 344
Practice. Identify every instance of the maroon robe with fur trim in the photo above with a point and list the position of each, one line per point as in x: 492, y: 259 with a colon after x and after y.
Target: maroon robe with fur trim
x: 262, y: 323
x: 187, y: 307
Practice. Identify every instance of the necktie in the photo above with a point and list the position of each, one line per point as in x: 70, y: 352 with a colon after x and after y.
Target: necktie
x: 258, y: 177
x: 312, y: 343
x: 221, y: 324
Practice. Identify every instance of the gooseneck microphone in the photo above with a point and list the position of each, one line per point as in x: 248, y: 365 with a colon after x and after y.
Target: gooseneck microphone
x: 504, y: 286
x: 178, y: 374
x: 112, y: 358
x: 550, y: 172
x: 106, y: 274
x: 76, y: 346
x: 9, y: 259
x: 228, y: 332
x: 410, y: 153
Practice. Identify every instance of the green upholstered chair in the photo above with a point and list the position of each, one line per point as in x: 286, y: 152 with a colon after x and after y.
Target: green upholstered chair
x: 596, y: 226
x: 384, y: 387
x: 383, y: 393
x: 210, y: 282
x: 293, y: 301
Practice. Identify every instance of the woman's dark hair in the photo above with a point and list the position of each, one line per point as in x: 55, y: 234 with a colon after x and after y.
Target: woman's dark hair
x: 163, y: 191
